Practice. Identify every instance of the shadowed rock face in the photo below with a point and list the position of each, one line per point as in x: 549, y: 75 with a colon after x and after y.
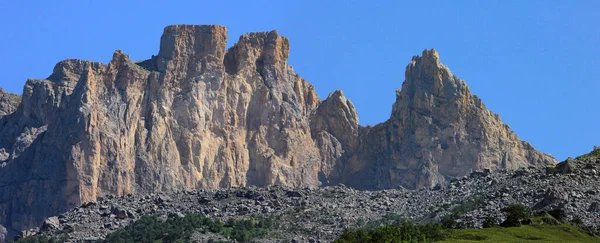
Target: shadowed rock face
x: 198, y: 116
x: 8, y: 102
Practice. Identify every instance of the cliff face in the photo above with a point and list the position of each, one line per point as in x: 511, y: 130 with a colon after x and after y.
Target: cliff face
x: 437, y: 129
x: 8, y: 105
x: 198, y: 116
x: 8, y: 102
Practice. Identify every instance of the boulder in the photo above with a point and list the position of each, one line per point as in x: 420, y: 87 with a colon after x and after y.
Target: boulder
x: 3, y: 234
x: 52, y: 223
x: 119, y: 212
x: 567, y: 166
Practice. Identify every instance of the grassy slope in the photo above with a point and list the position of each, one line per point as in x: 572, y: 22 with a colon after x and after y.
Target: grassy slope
x: 538, y: 233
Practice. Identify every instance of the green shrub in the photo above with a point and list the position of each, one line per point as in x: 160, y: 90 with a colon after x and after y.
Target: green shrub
x: 39, y: 239
x: 490, y: 222
x: 558, y: 214
x: 388, y: 219
x: 516, y: 214
x: 180, y: 229
x: 405, y: 232
x: 467, y: 206
x: 449, y: 221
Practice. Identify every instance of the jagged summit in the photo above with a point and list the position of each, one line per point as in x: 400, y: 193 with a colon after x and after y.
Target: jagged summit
x: 427, y: 72
x: 203, y: 46
x: 199, y: 116
x: 437, y: 130
x: 197, y: 44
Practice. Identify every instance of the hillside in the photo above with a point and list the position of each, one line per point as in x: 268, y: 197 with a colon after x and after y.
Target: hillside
x: 198, y: 116
x: 323, y: 214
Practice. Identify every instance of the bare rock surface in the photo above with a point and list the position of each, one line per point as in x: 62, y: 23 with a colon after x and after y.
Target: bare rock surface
x: 437, y: 130
x: 8, y: 102
x: 199, y: 116
x: 3, y: 233
x: 321, y: 215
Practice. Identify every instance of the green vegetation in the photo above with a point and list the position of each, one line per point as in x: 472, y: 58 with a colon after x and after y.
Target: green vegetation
x: 405, y: 232
x: 389, y: 219
x: 468, y: 206
x: 449, y: 221
x: 519, y: 226
x: 490, y: 222
x: 538, y: 231
x: 567, y: 166
x: 17, y: 98
x: 180, y: 229
x: 516, y: 214
x: 591, y: 155
x: 39, y: 239
x: 524, y: 233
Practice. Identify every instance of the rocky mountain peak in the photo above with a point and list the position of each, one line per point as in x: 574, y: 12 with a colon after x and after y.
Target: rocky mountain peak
x: 427, y: 78
x: 70, y: 70
x: 429, y: 61
x: 199, y: 116
x: 437, y: 130
x: 196, y: 44
x: 259, y: 50
x: 119, y: 58
x: 337, y: 116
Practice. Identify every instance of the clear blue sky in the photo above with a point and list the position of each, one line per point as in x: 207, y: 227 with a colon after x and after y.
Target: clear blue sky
x: 535, y: 63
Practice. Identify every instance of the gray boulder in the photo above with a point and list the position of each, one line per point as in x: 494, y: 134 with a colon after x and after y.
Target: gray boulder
x: 3, y: 233
x: 51, y: 223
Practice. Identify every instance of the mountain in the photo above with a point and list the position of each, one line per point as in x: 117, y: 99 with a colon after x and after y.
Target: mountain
x: 437, y: 129
x: 199, y: 116
x: 323, y: 214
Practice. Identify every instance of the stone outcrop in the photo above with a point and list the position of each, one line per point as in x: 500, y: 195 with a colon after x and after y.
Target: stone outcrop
x: 437, y: 129
x: 51, y: 223
x: 8, y: 105
x: 3, y: 233
x: 199, y: 116
x: 322, y: 214
x: 8, y: 102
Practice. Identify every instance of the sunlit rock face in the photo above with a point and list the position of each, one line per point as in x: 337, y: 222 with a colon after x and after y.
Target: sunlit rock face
x: 437, y: 130
x: 199, y: 116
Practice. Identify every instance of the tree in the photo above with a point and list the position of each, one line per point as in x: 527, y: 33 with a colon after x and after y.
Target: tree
x: 404, y: 232
x: 515, y: 215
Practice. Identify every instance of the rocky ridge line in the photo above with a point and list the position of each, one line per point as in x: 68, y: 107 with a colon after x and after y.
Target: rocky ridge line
x: 199, y: 116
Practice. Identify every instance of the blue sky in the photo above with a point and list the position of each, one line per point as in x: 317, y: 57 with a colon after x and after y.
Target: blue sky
x: 535, y: 63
